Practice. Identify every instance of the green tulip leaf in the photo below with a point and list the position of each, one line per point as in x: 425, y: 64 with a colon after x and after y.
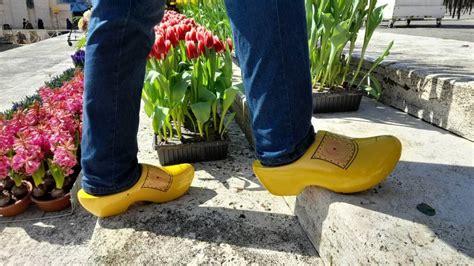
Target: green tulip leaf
x: 202, y: 111
x: 159, y: 117
x: 178, y: 87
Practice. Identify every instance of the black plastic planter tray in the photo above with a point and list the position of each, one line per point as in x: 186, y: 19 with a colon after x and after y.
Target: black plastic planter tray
x: 191, y: 152
x: 327, y: 102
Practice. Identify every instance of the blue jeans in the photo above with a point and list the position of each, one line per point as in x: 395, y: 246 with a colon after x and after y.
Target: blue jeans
x: 271, y: 44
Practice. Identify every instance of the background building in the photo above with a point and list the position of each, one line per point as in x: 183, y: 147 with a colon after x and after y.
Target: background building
x: 53, y: 12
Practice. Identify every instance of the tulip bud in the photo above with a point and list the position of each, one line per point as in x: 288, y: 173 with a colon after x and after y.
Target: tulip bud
x: 181, y: 32
x: 159, y: 48
x: 200, y: 36
x: 167, y: 46
x: 230, y: 44
x: 191, y: 50
x: 209, y: 40
x: 201, y: 48
x: 171, y: 35
x: 218, y: 45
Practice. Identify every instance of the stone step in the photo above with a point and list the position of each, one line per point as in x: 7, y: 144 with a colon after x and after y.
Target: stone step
x: 429, y: 78
x: 383, y: 225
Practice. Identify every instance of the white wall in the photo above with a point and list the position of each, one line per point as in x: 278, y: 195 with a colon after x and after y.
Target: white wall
x: 43, y: 12
x: 18, y: 11
x: 13, y: 11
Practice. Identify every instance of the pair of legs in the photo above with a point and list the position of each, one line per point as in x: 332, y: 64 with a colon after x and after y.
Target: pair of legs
x: 271, y: 45
x: 275, y: 68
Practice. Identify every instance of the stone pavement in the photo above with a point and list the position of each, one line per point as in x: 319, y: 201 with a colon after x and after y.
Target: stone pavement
x: 24, y: 69
x: 451, y: 29
x: 226, y: 217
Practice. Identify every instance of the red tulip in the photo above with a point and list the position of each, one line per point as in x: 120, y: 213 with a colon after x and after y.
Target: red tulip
x: 230, y: 44
x: 191, y: 50
x: 201, y: 48
x: 218, y: 45
x: 201, y: 36
x: 181, y: 32
x: 159, y: 48
x: 191, y: 35
x: 171, y: 36
x: 167, y: 45
x: 209, y: 40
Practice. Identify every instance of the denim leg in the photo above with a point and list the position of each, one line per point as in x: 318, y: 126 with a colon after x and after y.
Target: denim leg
x: 272, y: 47
x: 119, y: 40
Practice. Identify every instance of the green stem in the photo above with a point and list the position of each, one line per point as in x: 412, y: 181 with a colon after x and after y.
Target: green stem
x: 17, y: 178
x: 38, y: 175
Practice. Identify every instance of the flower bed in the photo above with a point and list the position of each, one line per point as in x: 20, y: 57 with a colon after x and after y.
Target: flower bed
x: 39, y: 144
x: 188, y: 86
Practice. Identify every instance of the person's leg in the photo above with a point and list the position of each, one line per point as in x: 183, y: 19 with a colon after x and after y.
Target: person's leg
x: 119, y: 40
x: 272, y: 47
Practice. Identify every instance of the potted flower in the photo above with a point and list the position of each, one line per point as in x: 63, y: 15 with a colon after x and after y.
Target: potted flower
x: 188, y: 91
x: 58, y: 130
x: 334, y: 26
x: 15, y: 191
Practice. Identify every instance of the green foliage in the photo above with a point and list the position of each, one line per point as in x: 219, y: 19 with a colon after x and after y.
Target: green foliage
x: 58, y: 81
x: 39, y: 175
x: 57, y: 174
x: 334, y: 25
x: 179, y: 90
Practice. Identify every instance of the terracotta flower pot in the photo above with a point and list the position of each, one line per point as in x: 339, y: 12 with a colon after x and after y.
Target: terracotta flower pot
x: 53, y: 205
x: 19, y: 206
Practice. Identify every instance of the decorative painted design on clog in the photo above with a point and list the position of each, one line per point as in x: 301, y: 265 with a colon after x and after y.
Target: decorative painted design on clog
x: 337, y: 150
x: 157, y: 179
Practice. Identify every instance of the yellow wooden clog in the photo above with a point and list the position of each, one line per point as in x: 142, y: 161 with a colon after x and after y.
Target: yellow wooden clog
x: 336, y: 163
x: 156, y: 184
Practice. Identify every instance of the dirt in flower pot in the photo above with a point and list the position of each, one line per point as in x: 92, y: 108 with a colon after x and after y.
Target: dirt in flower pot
x: 189, y: 135
x: 339, y: 89
x: 47, y: 190
x: 9, y: 193
x: 51, y: 199
x: 14, y: 200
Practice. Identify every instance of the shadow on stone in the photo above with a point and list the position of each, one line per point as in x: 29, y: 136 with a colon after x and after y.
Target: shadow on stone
x: 70, y: 230
x: 190, y: 218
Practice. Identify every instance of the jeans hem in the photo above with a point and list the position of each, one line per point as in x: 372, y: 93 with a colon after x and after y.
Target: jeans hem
x: 299, y: 151
x: 130, y: 182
